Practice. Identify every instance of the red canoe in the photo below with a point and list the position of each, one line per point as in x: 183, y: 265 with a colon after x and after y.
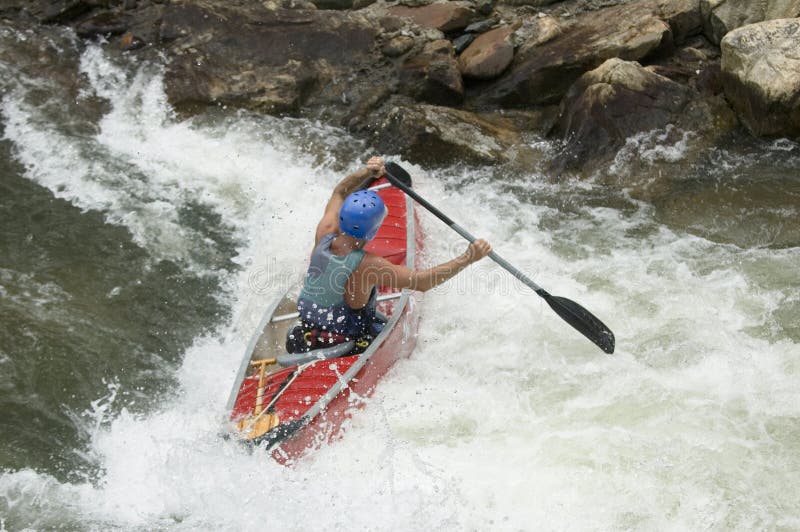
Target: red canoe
x: 290, y: 410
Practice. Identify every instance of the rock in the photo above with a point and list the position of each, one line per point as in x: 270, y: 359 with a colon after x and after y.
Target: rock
x: 333, y: 4
x: 129, y: 42
x: 445, y: 17
x: 536, y: 31
x: 460, y: 43
x: 542, y: 74
x: 534, y: 3
x: 433, y: 135
x: 484, y: 7
x: 482, y: 26
x: 432, y: 76
x: 685, y: 18
x: 391, y: 24
x: 63, y: 11
x: 102, y: 24
x: 722, y: 16
x: 489, y: 55
x: 695, y: 64
x: 761, y: 76
x: 266, y: 59
x: 620, y: 99
x: 298, y: 4
x: 397, y: 46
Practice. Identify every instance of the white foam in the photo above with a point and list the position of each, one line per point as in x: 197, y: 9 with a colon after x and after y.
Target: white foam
x: 504, y: 418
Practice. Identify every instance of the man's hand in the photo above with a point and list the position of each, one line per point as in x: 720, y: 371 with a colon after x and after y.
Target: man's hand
x: 375, y: 165
x: 477, y: 250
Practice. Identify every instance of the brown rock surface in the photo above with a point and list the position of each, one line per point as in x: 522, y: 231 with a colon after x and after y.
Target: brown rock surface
x: 542, y: 74
x: 442, y: 16
x: 488, y: 55
x: 761, y: 76
x: 432, y: 76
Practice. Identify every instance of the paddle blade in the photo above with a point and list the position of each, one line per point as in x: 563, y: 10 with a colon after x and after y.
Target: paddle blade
x: 398, y: 172
x: 583, y: 321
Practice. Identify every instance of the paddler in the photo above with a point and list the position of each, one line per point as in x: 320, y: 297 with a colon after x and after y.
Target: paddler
x: 339, y: 292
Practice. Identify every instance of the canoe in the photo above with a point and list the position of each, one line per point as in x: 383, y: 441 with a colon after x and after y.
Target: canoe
x: 291, y: 404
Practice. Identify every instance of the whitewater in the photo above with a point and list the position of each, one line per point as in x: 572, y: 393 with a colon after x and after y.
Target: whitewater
x: 503, y: 418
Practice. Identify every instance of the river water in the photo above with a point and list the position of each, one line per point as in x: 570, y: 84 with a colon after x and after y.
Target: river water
x: 138, y: 249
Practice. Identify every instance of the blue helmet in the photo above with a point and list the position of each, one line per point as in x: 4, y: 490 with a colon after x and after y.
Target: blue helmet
x: 362, y: 214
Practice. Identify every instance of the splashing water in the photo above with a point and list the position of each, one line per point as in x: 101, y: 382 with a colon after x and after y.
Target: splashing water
x: 504, y: 418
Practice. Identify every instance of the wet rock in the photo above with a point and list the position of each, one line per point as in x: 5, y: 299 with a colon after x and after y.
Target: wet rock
x: 482, y: 26
x: 64, y: 11
x: 542, y: 74
x: 298, y: 4
x: 433, y: 76
x: 685, y: 18
x: 341, y: 4
x: 618, y: 100
x: 761, y: 76
x: 534, y: 3
x: 266, y: 59
x: 398, y: 46
x: 445, y: 17
x: 129, y: 42
x: 696, y: 64
x: 461, y: 43
x: 722, y: 16
x: 489, y: 55
x: 102, y: 24
x: 340, y: 62
x: 434, y: 135
x: 484, y: 7
x: 391, y: 24
x: 536, y: 31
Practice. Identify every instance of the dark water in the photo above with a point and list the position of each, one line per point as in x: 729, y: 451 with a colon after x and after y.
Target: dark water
x: 745, y: 191
x: 84, y: 310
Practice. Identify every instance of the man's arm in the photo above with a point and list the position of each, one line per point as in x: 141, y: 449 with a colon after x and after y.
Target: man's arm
x: 377, y: 271
x: 353, y: 182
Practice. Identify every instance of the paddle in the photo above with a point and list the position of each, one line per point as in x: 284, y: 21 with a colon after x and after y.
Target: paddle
x: 574, y: 314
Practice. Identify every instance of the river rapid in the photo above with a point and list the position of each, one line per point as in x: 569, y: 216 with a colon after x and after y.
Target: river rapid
x: 139, y: 248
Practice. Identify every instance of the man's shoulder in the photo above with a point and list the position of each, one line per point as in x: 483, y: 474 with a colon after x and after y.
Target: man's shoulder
x: 373, y: 259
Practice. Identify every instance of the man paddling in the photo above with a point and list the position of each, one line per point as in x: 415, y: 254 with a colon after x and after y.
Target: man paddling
x: 339, y: 292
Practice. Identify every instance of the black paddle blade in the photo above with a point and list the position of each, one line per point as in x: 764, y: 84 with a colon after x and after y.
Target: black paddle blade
x: 583, y: 321
x: 398, y: 172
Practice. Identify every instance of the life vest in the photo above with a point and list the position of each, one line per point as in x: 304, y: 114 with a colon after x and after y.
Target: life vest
x: 321, y: 303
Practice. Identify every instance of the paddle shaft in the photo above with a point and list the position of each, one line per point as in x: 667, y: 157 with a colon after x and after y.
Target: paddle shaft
x: 578, y: 317
x: 466, y: 234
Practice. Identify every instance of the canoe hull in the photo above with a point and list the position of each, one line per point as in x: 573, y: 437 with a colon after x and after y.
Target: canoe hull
x: 293, y: 410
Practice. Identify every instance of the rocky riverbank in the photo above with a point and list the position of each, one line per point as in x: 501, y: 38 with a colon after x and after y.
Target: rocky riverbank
x: 475, y: 81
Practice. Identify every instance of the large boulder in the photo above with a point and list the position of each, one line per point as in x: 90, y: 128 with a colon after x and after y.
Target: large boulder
x: 620, y: 99
x: 434, y: 135
x: 761, y: 76
x: 541, y: 74
x: 273, y: 60
x: 442, y: 16
x: 432, y: 76
x: 489, y: 54
x: 722, y: 16
x: 684, y: 17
